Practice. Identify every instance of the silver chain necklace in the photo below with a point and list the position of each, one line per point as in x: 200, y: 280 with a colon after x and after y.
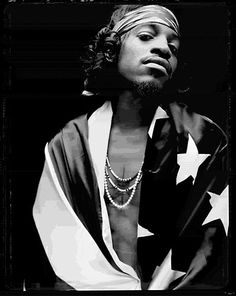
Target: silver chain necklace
x: 115, y: 175
x: 115, y: 186
x: 133, y: 187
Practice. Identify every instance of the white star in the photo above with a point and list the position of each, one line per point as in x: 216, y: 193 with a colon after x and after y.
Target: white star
x: 190, y: 161
x: 143, y: 231
x: 220, y: 208
x: 164, y: 275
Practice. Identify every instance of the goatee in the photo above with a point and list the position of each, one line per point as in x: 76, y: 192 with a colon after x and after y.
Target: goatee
x: 147, y: 89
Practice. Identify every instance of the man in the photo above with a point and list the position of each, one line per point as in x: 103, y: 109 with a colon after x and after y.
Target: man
x: 133, y: 194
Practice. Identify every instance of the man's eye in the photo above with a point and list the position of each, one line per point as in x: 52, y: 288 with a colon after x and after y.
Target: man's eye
x: 145, y: 37
x: 173, y: 49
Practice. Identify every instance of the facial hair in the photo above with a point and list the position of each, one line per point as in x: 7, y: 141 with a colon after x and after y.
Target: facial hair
x: 148, y: 90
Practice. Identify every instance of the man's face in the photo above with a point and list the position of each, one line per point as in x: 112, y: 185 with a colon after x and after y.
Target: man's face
x: 149, y: 55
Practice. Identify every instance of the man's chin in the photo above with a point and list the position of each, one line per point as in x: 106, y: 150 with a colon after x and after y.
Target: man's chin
x: 150, y: 88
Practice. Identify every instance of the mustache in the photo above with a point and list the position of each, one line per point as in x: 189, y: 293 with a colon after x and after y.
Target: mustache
x: 159, y: 61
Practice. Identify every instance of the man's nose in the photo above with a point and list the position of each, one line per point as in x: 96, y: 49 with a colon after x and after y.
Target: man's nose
x: 161, y: 48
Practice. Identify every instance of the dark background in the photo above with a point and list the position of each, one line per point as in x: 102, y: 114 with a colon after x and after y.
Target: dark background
x: 42, y: 80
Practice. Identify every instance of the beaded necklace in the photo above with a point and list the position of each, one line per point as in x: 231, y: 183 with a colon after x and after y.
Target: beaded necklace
x: 137, y: 177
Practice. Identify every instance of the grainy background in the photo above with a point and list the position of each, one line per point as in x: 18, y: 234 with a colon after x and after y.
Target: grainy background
x: 41, y: 84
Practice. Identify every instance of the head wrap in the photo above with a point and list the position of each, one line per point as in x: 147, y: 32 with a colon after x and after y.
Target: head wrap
x: 147, y: 14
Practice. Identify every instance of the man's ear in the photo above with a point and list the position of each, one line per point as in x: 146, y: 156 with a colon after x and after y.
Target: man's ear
x: 111, y: 47
x: 109, y: 52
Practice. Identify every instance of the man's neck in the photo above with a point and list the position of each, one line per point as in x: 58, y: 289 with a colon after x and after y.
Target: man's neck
x: 133, y: 113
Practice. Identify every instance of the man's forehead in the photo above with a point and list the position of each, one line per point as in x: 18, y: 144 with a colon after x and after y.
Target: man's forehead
x: 147, y: 14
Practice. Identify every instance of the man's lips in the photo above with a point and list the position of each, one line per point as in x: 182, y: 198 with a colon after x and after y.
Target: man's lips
x: 157, y: 61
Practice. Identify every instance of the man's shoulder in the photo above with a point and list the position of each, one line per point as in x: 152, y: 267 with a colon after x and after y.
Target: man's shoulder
x: 76, y: 127
x: 73, y: 129
x: 204, y: 131
x: 80, y: 122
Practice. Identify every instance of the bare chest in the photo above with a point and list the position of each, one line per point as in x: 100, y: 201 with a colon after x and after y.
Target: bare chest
x: 122, y: 193
x: 126, y: 153
x: 124, y: 224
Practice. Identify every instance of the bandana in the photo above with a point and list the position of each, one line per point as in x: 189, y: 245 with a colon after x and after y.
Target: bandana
x: 147, y: 14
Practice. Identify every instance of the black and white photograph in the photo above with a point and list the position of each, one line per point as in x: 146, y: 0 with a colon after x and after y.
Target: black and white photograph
x: 116, y: 147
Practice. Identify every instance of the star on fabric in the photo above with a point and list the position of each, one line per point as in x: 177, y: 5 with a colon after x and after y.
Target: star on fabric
x: 164, y: 275
x: 220, y: 208
x: 142, y: 232
x: 190, y: 161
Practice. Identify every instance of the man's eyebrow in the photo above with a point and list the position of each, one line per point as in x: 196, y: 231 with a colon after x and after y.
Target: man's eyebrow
x: 174, y: 36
